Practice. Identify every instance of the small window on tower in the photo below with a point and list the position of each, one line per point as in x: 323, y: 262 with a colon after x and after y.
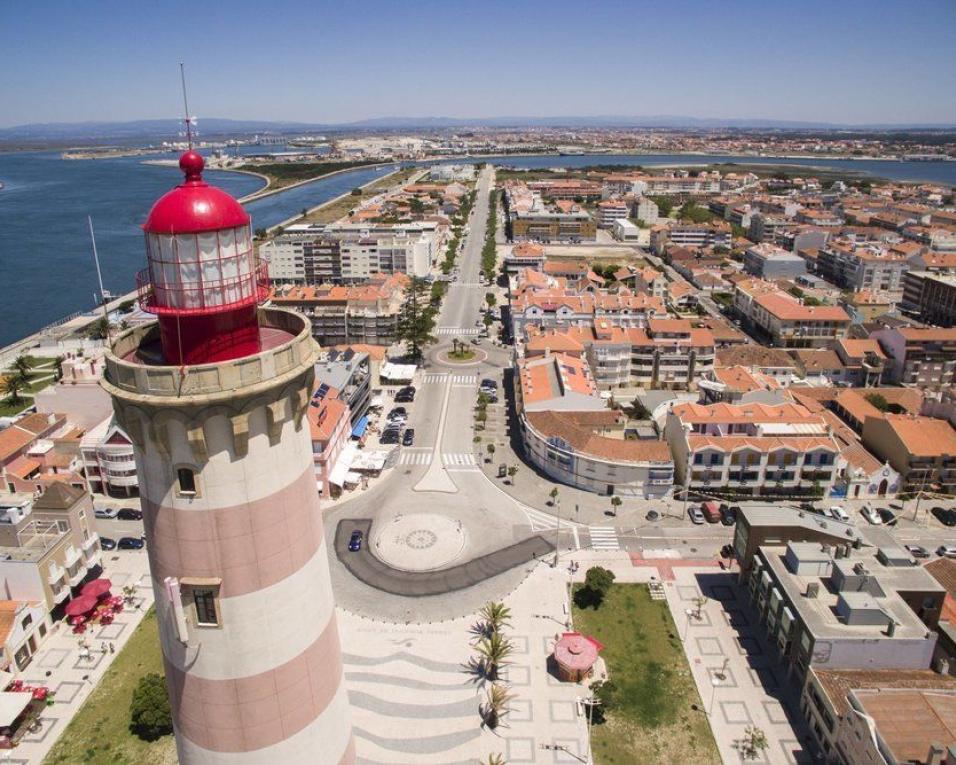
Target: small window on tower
x: 187, y: 481
x: 205, y: 600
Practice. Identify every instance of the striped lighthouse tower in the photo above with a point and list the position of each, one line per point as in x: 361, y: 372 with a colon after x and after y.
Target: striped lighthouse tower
x: 214, y: 396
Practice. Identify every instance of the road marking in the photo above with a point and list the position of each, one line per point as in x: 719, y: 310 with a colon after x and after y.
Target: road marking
x: 457, y: 459
x: 457, y: 331
x: 415, y: 458
x: 463, y: 380
x: 604, y: 538
x: 434, y: 377
x: 539, y: 520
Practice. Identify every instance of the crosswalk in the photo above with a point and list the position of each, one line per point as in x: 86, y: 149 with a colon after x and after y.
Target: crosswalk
x: 458, y: 460
x: 415, y: 458
x: 604, y: 538
x: 540, y: 521
x: 440, y: 377
x: 457, y: 331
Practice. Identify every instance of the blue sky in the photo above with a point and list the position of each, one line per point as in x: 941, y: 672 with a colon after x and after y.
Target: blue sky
x: 874, y: 61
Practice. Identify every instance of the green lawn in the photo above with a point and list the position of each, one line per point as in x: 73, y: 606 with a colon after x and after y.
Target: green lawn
x: 654, y: 721
x: 7, y: 409
x: 99, y: 733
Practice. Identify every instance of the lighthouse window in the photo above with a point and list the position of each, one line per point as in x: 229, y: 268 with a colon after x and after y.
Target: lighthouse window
x: 187, y: 481
x: 205, y: 600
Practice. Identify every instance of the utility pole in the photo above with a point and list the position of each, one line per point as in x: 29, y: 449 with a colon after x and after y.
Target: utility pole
x: 557, y: 532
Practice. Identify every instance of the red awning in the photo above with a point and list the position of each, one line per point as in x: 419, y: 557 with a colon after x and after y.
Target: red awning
x: 97, y: 588
x: 81, y: 605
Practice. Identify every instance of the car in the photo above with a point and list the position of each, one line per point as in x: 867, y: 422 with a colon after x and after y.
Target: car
x: 839, y: 513
x: 652, y: 515
x: 355, y: 541
x: 886, y: 516
x: 918, y: 551
x: 489, y: 383
x: 405, y: 396
x: 389, y: 436
x: 476, y: 341
x: 711, y: 511
x: 409, y: 437
x: 477, y: 322
x: 872, y: 516
x: 946, y: 551
x: 696, y: 516
x: 105, y: 512
x: 129, y: 514
x: 728, y: 515
x: 945, y: 516
x: 107, y: 544
x: 130, y: 543
x: 398, y: 410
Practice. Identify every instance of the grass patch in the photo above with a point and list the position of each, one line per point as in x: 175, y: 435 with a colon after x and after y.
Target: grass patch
x: 332, y: 211
x: 99, y: 733
x: 8, y: 409
x: 462, y: 355
x: 282, y: 174
x: 653, y: 721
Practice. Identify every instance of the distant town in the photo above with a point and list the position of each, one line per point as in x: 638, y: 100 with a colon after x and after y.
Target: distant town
x: 578, y: 462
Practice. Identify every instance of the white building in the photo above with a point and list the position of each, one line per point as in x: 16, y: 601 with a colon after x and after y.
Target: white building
x: 108, y: 460
x: 625, y: 231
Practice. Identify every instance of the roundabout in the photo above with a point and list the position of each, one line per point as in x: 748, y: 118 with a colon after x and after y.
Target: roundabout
x: 420, y: 542
x: 472, y: 357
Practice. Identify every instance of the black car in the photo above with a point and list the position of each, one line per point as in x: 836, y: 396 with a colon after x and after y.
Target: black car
x: 489, y: 383
x: 944, y: 516
x: 389, y: 436
x: 129, y: 514
x: 398, y: 411
x: 107, y: 544
x: 131, y: 543
x: 409, y: 437
x: 728, y: 515
x: 405, y: 395
x: 355, y: 541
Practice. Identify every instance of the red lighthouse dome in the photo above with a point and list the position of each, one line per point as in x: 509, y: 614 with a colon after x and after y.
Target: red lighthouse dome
x: 202, y: 279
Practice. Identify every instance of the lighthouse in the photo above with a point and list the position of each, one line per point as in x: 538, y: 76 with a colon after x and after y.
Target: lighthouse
x: 214, y: 395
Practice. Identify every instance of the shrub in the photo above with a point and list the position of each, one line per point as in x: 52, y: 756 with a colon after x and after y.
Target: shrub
x: 149, y: 713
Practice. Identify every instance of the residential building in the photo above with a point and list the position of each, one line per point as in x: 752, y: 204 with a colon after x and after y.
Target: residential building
x: 563, y: 221
x: 611, y: 210
x: 789, y: 323
x: 751, y: 450
x: 765, y: 227
x: 366, y: 313
x: 921, y: 449
x: 863, y: 360
x: 834, y: 603
x: 567, y: 189
x: 930, y: 297
x: 646, y: 211
x: 570, y: 434
x: 715, y: 234
x: 921, y: 356
x: 768, y: 261
x: 559, y: 307
x: 330, y: 426
x: 349, y: 373
x: 861, y: 267
x: 109, y: 463
x: 524, y: 255
x: 23, y: 627
x: 881, y: 716
x: 773, y: 362
x: 625, y: 231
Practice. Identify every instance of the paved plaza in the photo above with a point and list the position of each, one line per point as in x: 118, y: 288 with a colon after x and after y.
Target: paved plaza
x: 71, y: 672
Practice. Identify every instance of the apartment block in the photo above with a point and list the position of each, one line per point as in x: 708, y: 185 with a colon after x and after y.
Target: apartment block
x: 921, y: 449
x: 864, y: 267
x: 788, y: 323
x: 920, y: 356
x: 753, y: 449
x: 108, y: 460
x: 768, y: 261
x: 611, y: 210
x: 930, y: 297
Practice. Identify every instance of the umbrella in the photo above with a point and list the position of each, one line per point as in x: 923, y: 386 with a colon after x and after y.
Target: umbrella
x: 81, y: 605
x: 97, y: 588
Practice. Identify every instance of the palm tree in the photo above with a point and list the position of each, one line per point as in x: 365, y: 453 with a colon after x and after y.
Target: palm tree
x: 495, y: 706
x: 22, y: 367
x: 12, y: 385
x: 495, y: 650
x: 615, y: 504
x: 496, y: 615
x: 491, y: 452
x: 512, y: 472
x: 554, y: 496
x: 495, y: 759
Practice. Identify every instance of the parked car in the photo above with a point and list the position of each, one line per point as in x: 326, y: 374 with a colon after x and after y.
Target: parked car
x: 489, y: 383
x: 945, y: 516
x: 130, y: 543
x: 711, y: 511
x: 872, y: 516
x: 918, y: 551
x: 105, y: 512
x: 476, y: 341
x: 389, y: 436
x: 129, y: 514
x: 728, y: 515
x: 839, y: 513
x: 405, y: 396
x: 409, y: 437
x: 355, y: 541
x: 398, y: 411
x: 886, y: 516
x: 107, y: 544
x: 946, y: 551
x: 696, y: 516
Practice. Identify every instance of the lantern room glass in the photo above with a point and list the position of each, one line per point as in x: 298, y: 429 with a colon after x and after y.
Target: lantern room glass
x: 206, y: 270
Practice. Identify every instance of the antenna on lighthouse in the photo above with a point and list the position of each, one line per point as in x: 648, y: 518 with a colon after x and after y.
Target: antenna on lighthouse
x: 187, y: 120
x: 99, y: 277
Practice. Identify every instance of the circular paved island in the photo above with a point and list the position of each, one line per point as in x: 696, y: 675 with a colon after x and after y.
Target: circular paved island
x: 419, y: 542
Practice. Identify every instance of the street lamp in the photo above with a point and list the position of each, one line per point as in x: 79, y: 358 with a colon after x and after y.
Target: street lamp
x: 714, y: 682
x: 591, y: 701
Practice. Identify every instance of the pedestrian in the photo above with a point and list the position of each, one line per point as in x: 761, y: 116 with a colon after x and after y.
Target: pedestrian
x: 112, y: 647
x: 103, y: 647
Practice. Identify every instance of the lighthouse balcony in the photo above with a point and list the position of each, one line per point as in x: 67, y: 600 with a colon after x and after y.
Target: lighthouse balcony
x: 187, y: 298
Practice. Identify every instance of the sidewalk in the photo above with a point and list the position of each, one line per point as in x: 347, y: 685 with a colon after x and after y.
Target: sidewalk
x: 59, y: 666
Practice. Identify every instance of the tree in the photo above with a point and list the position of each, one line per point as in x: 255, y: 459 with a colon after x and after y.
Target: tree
x: 512, y: 472
x: 495, y: 705
x: 356, y: 192
x: 597, y: 581
x: 488, y: 321
x: 12, y: 386
x: 149, y: 712
x: 753, y: 744
x: 554, y: 496
x: 664, y: 205
x: 417, y: 206
x: 606, y: 693
x: 98, y: 330
x: 495, y: 759
x: 494, y: 650
x: 490, y: 299
x: 22, y: 367
x: 260, y: 233
x: 491, y: 452
x: 414, y: 325
x: 878, y: 400
x: 496, y: 615
x: 616, y: 502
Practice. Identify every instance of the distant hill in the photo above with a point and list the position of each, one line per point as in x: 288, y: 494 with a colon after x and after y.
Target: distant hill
x: 165, y: 129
